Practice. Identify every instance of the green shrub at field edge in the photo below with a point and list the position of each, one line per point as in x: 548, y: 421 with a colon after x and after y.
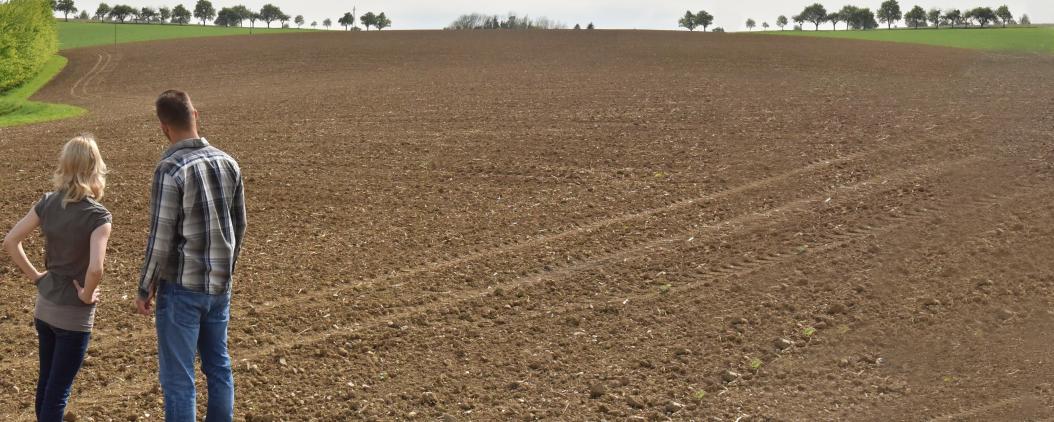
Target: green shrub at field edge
x: 27, y: 40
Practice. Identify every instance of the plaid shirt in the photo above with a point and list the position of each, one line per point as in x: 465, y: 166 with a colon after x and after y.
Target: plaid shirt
x: 197, y: 220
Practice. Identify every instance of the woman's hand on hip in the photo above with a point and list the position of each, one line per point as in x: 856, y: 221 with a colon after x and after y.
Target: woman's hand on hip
x: 89, y: 298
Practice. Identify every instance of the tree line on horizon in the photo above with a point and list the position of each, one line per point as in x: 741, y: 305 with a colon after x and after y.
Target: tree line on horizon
x: 483, y: 21
x: 205, y: 12
x: 890, y: 13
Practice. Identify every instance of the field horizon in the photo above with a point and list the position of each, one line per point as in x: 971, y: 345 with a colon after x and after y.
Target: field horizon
x: 1030, y: 39
x: 77, y: 34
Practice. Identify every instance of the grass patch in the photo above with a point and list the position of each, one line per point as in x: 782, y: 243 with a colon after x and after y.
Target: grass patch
x: 86, y: 34
x: 1016, y: 39
x: 16, y: 109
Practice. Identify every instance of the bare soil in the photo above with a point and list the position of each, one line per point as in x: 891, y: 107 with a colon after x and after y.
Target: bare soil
x: 602, y: 225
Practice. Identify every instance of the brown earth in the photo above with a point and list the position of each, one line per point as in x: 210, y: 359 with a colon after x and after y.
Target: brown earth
x: 584, y: 226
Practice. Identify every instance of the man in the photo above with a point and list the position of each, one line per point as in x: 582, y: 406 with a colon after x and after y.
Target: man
x: 197, y: 223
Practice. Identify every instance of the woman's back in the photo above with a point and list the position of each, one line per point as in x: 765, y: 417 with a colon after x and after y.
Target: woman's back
x: 67, y: 233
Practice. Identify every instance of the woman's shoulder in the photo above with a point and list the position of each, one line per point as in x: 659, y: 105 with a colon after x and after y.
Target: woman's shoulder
x: 96, y: 206
x: 42, y: 204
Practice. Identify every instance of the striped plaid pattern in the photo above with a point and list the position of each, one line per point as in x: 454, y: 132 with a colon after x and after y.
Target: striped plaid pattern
x: 197, y: 220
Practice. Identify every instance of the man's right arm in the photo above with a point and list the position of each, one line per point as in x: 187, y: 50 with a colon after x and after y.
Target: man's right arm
x: 166, y: 206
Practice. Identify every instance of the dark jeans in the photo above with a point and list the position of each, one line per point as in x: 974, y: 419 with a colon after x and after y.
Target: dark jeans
x: 61, y: 355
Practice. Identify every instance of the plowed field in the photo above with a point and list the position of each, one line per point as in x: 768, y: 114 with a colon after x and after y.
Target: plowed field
x: 583, y: 226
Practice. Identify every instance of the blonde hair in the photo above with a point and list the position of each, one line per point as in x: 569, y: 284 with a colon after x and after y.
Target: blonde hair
x: 81, y: 172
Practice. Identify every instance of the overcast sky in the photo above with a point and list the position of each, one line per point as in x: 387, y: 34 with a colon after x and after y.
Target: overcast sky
x: 607, y: 14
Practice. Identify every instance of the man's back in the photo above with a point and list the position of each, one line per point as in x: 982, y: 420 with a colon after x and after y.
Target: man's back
x: 197, y: 219
x: 197, y: 222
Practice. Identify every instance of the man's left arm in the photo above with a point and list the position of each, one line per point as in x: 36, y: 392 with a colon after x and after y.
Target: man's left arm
x: 238, y: 219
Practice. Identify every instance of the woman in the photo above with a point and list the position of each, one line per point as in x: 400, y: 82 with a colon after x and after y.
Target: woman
x: 76, y: 228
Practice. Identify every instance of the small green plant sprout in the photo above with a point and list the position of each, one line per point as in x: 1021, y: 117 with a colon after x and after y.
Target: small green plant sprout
x: 665, y: 288
x: 808, y: 331
x: 755, y: 364
x: 699, y: 394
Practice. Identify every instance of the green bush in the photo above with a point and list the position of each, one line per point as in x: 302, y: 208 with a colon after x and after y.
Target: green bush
x: 28, y: 38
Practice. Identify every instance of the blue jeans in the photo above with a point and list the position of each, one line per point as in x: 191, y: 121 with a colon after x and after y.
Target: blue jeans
x: 190, y: 323
x: 61, y: 355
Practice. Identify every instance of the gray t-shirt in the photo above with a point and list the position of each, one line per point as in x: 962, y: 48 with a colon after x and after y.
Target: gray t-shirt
x: 67, y: 236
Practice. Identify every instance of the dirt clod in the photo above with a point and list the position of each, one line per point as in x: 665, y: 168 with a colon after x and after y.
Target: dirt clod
x: 597, y: 390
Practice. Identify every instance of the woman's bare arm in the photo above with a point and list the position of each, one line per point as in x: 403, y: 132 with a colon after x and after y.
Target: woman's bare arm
x: 13, y: 245
x: 88, y: 292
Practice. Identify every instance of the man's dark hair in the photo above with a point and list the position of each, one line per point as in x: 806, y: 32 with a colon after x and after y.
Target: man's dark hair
x: 174, y: 109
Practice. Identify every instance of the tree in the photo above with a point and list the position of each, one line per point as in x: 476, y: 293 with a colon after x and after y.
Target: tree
x: 983, y: 15
x: 862, y: 18
x: 1003, y: 12
x: 252, y: 17
x: 915, y: 17
x: 1025, y: 20
x: 299, y: 20
x: 798, y: 21
x: 578, y: 27
x: 327, y: 23
x: 781, y: 22
x: 165, y: 14
x: 702, y: 19
x: 84, y: 15
x: 847, y: 14
x: 147, y: 14
x: 347, y: 20
x: 121, y: 12
x: 242, y: 13
x: 270, y: 13
x: 592, y: 27
x: 816, y: 14
x: 180, y: 15
x: 66, y: 7
x: 227, y: 17
x: 284, y: 18
x: 382, y: 21
x: 765, y: 26
x: 368, y: 19
x: 751, y: 24
x: 203, y: 10
x: 102, y: 11
x: 934, y: 17
x: 687, y: 21
x: 889, y: 13
x: 954, y: 17
x: 834, y: 18
x: 314, y: 24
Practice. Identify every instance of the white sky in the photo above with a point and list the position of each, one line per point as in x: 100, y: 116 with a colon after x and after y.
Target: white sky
x: 607, y: 14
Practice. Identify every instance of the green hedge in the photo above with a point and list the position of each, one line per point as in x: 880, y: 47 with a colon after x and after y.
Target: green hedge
x: 27, y: 40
